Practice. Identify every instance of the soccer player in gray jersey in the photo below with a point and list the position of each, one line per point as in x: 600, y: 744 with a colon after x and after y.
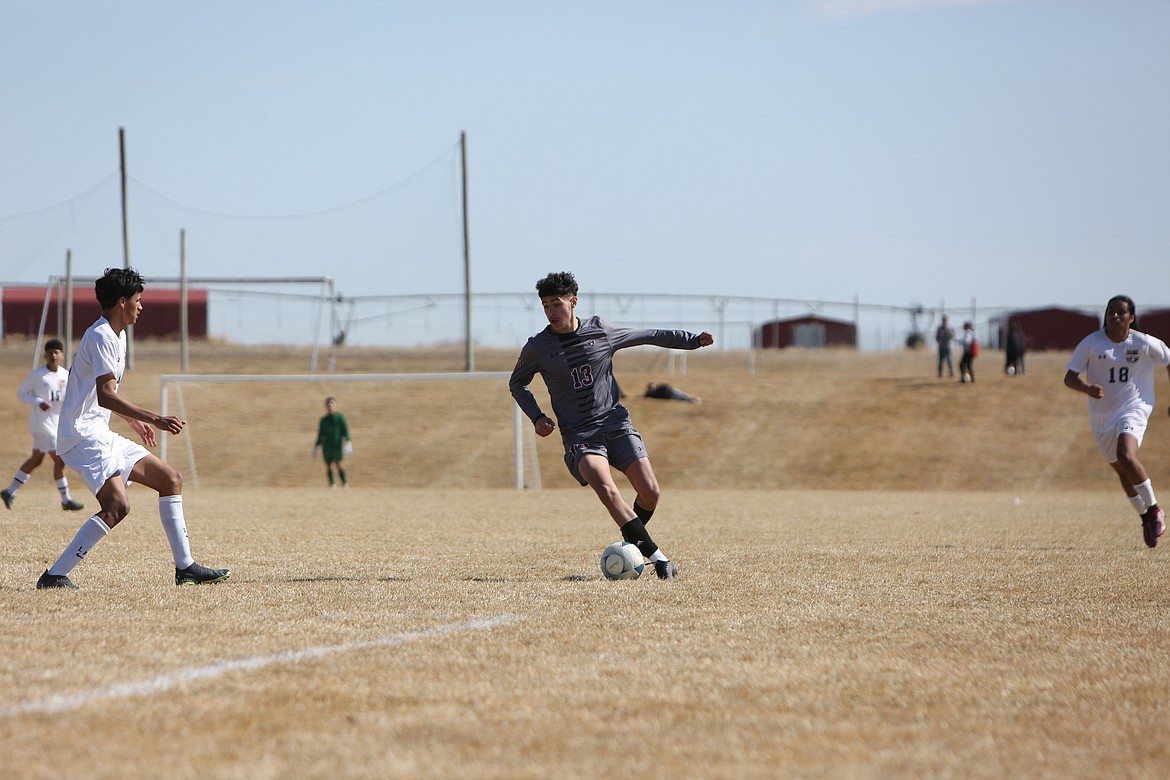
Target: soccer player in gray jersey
x: 575, y: 358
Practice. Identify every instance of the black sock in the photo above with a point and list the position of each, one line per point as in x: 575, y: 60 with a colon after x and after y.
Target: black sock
x: 642, y: 512
x: 634, y: 532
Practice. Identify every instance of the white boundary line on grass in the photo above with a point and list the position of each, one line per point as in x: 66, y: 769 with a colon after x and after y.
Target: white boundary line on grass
x: 58, y: 703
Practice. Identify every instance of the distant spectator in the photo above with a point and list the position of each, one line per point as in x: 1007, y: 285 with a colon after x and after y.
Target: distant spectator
x: 970, y: 352
x: 669, y: 392
x: 1017, y: 345
x: 944, y: 336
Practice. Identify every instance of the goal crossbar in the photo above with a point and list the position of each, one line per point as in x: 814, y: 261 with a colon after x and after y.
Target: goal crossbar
x: 167, y: 379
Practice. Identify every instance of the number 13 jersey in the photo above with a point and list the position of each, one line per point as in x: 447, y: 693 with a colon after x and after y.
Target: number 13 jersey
x: 577, y: 368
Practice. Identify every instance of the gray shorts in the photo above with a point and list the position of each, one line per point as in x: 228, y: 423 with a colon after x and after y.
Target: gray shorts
x: 621, y: 447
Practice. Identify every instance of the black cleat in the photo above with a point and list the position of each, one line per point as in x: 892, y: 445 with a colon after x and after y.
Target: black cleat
x: 6, y: 497
x: 71, y: 505
x: 55, y: 581
x: 665, y: 570
x: 197, y: 574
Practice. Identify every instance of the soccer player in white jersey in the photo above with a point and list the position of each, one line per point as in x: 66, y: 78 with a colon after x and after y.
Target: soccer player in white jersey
x: 42, y: 390
x: 106, y: 461
x: 575, y: 359
x: 1119, y: 364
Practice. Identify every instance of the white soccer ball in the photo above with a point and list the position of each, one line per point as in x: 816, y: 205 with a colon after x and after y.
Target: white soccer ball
x: 622, y: 561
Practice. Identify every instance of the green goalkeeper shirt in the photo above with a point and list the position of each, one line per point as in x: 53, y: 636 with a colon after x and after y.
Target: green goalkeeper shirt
x: 332, y: 433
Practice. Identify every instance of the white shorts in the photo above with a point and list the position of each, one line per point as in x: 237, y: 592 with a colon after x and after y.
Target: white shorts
x: 44, y: 442
x: 1133, y: 424
x: 100, y: 457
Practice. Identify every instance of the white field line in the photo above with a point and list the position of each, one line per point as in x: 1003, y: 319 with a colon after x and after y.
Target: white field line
x: 63, y: 703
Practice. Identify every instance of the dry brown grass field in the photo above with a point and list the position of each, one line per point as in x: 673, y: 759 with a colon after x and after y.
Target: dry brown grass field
x: 882, y: 575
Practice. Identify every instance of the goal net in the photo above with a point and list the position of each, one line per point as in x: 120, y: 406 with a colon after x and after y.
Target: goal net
x: 444, y: 430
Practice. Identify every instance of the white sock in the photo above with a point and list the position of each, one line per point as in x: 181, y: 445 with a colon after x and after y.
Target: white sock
x: 170, y: 512
x: 91, y: 532
x: 1146, y: 491
x: 19, y: 479
x: 63, y: 489
x: 658, y: 556
x: 1138, y: 503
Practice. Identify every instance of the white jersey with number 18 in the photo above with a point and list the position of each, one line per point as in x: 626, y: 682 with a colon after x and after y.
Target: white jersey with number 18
x: 1125, y: 370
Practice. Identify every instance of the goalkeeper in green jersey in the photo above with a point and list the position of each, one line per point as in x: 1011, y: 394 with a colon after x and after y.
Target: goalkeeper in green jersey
x: 333, y: 442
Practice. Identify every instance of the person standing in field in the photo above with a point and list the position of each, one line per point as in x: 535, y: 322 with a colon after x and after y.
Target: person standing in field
x: 43, y: 390
x: 106, y: 461
x: 1015, y: 349
x: 970, y: 352
x: 333, y: 442
x: 575, y: 359
x: 1119, y: 364
x: 944, y: 335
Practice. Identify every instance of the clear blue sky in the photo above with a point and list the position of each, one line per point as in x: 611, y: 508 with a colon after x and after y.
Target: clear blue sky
x: 1014, y: 151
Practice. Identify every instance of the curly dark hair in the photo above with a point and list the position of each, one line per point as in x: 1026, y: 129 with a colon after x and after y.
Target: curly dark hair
x: 560, y: 283
x: 116, y: 284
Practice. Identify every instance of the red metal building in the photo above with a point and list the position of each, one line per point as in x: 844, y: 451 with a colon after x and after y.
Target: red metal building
x: 1049, y: 329
x: 1156, y: 323
x: 808, y: 331
x: 22, y: 306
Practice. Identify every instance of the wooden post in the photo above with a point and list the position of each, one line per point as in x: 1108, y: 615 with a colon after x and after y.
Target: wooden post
x: 466, y: 256
x: 125, y: 239
x: 69, y: 306
x: 184, y: 360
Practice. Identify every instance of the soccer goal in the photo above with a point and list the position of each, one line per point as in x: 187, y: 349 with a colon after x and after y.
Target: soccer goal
x: 409, y: 430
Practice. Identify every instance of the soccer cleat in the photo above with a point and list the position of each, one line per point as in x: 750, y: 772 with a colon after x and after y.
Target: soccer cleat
x: 6, y: 497
x: 71, y: 505
x: 55, y: 581
x: 1153, y: 525
x: 197, y: 574
x: 665, y: 570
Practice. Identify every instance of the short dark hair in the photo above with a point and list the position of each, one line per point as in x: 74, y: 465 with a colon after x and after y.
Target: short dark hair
x: 118, y: 283
x: 53, y: 344
x: 1126, y: 300
x: 560, y: 283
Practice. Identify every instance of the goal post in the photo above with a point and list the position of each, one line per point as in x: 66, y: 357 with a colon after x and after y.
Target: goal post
x: 178, y: 380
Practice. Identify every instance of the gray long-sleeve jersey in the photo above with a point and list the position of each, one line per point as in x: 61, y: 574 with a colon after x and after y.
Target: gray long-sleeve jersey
x: 578, y: 370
